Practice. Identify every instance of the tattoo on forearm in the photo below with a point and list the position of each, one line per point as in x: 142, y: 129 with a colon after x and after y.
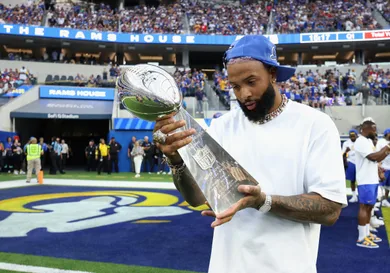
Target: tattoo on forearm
x: 189, y: 189
x: 308, y: 208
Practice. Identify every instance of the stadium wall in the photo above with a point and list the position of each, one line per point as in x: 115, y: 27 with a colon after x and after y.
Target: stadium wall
x: 4, y: 135
x: 5, y: 110
x: 346, y: 117
x: 42, y: 69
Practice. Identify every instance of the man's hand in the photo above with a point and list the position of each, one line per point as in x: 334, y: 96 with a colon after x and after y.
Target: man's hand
x: 253, y: 199
x: 174, y: 141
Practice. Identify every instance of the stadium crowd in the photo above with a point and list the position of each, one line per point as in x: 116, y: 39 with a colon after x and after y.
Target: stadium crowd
x: 69, y: 15
x: 28, y: 14
x: 226, y: 19
x: 204, y: 17
x: 320, y: 90
x: 10, y: 80
x: 295, y: 16
x: 384, y: 8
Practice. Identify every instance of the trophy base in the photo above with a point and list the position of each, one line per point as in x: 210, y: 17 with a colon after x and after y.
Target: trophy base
x: 216, y: 172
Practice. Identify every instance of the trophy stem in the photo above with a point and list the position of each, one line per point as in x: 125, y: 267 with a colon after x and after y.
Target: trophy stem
x: 216, y: 172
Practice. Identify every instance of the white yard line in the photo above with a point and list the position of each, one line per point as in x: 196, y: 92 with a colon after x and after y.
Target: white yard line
x: 13, y: 184
x: 91, y: 183
x: 112, y: 184
x: 35, y: 269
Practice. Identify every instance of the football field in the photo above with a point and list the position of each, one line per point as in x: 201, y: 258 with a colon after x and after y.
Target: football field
x: 81, y: 222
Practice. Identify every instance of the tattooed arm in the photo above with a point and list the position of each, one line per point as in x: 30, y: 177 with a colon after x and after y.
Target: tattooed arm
x: 309, y: 208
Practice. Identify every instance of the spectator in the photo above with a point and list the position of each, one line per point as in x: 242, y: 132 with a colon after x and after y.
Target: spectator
x: 145, y: 19
x: 12, y: 79
x: 296, y: 16
x: 80, y: 16
x: 384, y: 8
x: 24, y: 14
x: 206, y: 17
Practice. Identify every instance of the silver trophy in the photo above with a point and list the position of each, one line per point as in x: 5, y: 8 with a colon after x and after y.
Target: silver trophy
x: 149, y: 92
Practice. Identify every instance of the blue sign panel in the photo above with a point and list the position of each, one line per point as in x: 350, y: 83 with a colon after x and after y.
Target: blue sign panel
x: 188, y: 39
x: 332, y: 37
x: 318, y: 37
x: 129, y: 38
x: 71, y: 92
x: 350, y: 36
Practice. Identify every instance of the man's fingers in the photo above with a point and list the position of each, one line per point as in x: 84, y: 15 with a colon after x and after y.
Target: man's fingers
x: 219, y: 222
x: 208, y: 213
x: 230, y: 211
x: 166, y: 117
x: 251, y: 190
x: 169, y: 128
x: 173, y: 147
x: 179, y: 136
x: 163, y: 122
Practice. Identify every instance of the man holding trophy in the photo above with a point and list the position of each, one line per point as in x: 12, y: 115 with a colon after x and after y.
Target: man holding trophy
x: 269, y: 197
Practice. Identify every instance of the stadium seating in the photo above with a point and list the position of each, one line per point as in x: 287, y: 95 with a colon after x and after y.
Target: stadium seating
x: 163, y: 19
x: 296, y: 16
x: 70, y: 15
x: 331, y: 88
x: 12, y: 79
x: 31, y: 14
x: 226, y: 19
x: 384, y: 8
x: 204, y: 17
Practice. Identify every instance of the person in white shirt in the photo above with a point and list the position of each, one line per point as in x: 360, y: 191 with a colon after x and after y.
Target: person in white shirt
x: 385, y: 165
x: 64, y: 154
x: 297, y: 193
x: 367, y: 159
x: 349, y: 156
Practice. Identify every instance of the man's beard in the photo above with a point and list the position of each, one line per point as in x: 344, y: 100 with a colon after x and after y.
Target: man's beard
x: 263, y: 105
x: 371, y: 136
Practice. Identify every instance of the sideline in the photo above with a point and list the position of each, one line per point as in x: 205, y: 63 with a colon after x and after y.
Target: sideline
x: 35, y: 269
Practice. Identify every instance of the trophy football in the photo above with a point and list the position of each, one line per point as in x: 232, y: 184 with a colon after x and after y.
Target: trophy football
x: 150, y: 92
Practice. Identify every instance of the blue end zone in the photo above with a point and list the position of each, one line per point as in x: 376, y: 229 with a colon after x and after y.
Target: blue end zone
x: 183, y: 243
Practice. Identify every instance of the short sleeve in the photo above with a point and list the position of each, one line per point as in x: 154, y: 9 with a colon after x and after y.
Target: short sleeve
x: 363, y: 147
x: 345, y: 146
x: 324, y: 170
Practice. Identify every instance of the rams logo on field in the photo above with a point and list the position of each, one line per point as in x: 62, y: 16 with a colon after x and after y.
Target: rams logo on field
x: 75, y: 211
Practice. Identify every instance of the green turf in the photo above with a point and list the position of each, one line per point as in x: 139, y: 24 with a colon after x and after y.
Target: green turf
x: 386, y: 217
x: 82, y: 175
x: 348, y: 184
x: 68, y: 264
x: 6, y: 271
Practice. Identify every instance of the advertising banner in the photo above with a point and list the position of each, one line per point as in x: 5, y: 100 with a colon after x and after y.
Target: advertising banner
x: 71, y: 92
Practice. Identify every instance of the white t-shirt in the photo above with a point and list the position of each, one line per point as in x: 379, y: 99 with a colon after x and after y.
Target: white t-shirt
x: 385, y: 162
x: 65, y: 148
x: 366, y: 170
x: 351, y: 154
x: 297, y: 152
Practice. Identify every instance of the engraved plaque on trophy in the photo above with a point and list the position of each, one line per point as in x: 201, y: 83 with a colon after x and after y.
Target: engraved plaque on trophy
x: 149, y: 92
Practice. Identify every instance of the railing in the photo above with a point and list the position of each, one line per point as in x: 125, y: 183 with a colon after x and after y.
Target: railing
x: 186, y: 24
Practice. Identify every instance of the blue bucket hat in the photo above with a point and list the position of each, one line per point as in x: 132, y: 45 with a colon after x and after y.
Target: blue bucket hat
x: 353, y: 131
x: 387, y: 131
x: 259, y: 48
